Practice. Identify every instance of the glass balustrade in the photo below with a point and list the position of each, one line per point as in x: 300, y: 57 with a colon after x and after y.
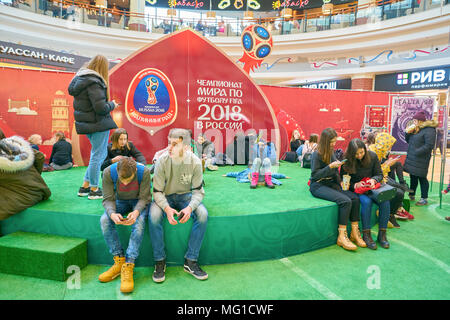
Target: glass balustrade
x: 156, y: 20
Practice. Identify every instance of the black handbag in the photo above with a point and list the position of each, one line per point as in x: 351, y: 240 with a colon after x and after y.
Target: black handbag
x: 291, y: 156
x: 383, y: 193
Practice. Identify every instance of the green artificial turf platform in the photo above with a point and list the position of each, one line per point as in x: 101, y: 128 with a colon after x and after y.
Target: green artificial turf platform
x: 244, y: 224
x: 41, y: 255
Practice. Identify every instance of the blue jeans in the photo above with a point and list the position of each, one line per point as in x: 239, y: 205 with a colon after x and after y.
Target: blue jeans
x: 299, y: 150
x: 366, y: 210
x: 199, y: 217
x: 137, y: 231
x: 99, y: 150
x: 261, y: 167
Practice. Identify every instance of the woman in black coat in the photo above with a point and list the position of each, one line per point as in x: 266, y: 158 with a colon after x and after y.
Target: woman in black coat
x: 421, y: 138
x: 362, y: 163
x: 61, y: 157
x: 325, y: 183
x: 92, y: 116
x: 296, y: 141
x: 120, y: 147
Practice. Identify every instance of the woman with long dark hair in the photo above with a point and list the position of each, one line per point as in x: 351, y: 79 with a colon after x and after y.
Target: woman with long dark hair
x: 365, y: 164
x: 92, y: 109
x: 121, y: 147
x: 326, y: 184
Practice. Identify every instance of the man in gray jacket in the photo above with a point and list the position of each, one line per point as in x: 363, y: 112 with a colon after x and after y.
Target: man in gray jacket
x: 178, y: 192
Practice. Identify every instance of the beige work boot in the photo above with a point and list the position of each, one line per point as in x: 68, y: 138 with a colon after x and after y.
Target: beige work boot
x: 355, y: 236
x: 343, y: 240
x: 114, y: 271
x: 126, y: 278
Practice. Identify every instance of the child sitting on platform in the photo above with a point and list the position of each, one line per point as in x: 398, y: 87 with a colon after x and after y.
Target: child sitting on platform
x: 35, y: 140
x: 61, y: 157
x: 262, y: 158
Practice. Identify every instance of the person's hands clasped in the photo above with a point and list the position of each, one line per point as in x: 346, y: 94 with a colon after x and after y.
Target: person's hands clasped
x: 117, y: 218
x: 170, y: 212
x: 187, y: 214
x: 131, y: 218
x: 372, y: 182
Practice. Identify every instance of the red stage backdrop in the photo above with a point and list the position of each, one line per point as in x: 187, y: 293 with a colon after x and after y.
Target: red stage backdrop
x: 36, y: 101
x: 316, y: 109
x: 183, y: 80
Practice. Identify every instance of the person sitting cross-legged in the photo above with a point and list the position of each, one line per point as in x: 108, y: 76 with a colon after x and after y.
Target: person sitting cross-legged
x: 126, y: 190
x: 178, y: 192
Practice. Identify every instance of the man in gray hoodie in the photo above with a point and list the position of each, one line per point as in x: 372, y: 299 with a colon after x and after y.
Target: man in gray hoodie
x: 178, y: 192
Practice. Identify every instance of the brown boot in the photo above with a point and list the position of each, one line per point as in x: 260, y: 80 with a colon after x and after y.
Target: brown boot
x: 126, y: 276
x: 355, y: 235
x: 114, y: 271
x: 343, y: 240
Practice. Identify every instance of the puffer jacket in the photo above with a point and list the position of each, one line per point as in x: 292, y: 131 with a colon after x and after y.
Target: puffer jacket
x: 206, y: 148
x: 420, y: 147
x: 21, y: 184
x: 91, y: 108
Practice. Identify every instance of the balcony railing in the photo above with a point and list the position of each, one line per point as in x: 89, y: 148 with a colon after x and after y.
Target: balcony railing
x: 353, y: 14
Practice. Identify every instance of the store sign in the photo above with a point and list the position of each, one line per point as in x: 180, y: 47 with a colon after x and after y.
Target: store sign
x: 335, y: 84
x: 35, y: 57
x: 425, y: 79
x: 241, y: 5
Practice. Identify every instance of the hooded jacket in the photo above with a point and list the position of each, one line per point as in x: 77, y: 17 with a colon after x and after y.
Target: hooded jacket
x: 420, y: 146
x: 382, y: 146
x: 91, y: 108
x: 21, y: 184
x: 206, y: 148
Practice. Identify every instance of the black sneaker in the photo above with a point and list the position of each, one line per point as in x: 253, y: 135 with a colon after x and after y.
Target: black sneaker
x: 193, y: 268
x: 159, y: 275
x: 393, y: 221
x: 83, y: 192
x: 95, y: 194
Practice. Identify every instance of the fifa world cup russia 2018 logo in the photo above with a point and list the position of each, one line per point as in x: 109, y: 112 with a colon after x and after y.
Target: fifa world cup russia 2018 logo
x: 257, y: 44
x: 152, y: 85
x: 151, y: 102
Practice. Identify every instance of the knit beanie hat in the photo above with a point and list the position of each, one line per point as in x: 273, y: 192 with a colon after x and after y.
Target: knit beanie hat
x: 420, y: 115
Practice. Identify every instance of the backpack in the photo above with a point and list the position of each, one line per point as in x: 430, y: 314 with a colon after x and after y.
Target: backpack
x: 290, y: 156
x: 306, y: 160
x: 115, y: 175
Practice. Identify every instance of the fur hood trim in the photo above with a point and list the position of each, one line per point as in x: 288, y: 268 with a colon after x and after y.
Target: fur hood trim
x: 22, y: 163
